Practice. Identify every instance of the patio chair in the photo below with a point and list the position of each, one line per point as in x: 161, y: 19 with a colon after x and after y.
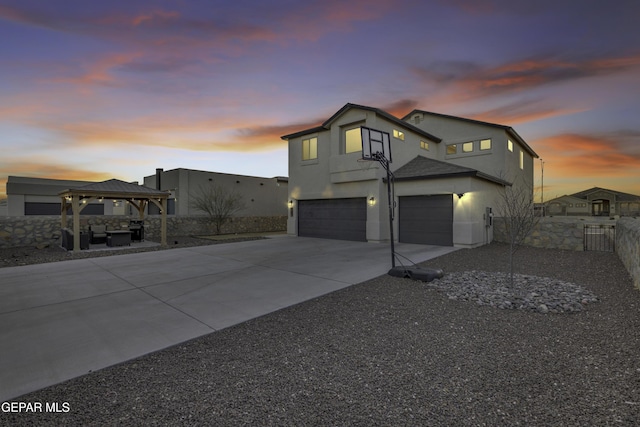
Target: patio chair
x: 98, y: 233
x: 67, y: 239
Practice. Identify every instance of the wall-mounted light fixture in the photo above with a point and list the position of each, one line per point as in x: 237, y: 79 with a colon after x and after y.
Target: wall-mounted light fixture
x: 372, y: 201
x: 290, y: 205
x: 460, y: 195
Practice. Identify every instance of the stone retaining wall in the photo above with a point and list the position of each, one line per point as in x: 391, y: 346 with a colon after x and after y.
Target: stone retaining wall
x: 45, y: 230
x: 567, y: 233
x: 550, y: 233
x: 628, y: 246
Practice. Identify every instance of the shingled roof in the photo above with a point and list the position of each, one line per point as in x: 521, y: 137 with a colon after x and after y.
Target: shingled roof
x: 424, y: 168
x: 327, y: 123
x: 116, y: 187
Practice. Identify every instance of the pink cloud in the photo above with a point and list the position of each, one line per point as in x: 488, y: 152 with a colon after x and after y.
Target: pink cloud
x: 587, y: 156
x: 468, y: 80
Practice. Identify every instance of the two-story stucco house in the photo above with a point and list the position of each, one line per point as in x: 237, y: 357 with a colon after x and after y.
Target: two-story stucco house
x: 449, y: 172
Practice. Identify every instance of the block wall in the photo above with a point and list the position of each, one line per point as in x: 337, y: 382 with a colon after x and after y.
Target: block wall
x: 45, y: 230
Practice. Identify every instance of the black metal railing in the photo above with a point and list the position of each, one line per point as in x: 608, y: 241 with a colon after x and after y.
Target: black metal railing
x: 600, y: 237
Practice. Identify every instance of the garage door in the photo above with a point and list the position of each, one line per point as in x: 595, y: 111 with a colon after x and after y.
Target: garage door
x: 426, y: 220
x: 343, y: 219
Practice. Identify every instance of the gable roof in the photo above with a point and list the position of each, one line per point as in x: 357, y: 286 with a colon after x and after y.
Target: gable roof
x: 565, y: 197
x: 424, y: 168
x: 620, y: 196
x: 506, y: 128
x: 327, y: 123
x: 117, y: 188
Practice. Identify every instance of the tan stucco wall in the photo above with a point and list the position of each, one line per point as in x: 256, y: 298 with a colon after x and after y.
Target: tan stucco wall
x: 26, y: 189
x: 262, y: 196
x: 497, y: 161
x: 337, y: 175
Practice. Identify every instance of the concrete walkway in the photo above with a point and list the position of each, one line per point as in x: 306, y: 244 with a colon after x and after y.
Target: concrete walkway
x: 65, y: 319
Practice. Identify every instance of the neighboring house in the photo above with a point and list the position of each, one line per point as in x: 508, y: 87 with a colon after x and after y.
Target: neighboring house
x: 40, y: 196
x: 595, y: 201
x: 449, y: 173
x: 261, y: 196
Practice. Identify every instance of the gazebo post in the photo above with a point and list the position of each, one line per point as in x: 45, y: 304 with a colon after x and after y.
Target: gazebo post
x: 75, y: 207
x: 63, y: 213
x: 163, y: 225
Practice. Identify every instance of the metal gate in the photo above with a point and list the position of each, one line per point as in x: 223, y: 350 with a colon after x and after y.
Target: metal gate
x: 600, y: 237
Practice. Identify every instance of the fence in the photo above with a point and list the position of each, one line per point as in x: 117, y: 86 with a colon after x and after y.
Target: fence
x: 628, y: 246
x: 600, y: 237
x: 45, y: 230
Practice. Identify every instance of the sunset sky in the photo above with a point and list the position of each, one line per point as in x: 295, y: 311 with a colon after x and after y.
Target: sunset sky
x: 115, y: 89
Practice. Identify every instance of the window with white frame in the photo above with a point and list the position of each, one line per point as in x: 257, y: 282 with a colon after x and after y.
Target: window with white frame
x: 310, y: 148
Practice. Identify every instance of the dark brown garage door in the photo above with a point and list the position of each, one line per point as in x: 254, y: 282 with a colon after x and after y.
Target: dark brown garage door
x: 426, y: 220
x: 343, y: 219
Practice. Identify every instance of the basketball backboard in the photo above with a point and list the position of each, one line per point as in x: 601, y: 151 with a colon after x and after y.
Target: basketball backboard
x: 375, y: 144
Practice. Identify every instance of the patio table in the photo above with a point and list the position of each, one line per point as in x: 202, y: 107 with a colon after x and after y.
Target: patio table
x: 118, y: 237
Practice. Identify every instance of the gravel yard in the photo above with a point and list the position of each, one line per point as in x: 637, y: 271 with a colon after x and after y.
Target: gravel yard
x: 394, y: 352
x: 10, y: 257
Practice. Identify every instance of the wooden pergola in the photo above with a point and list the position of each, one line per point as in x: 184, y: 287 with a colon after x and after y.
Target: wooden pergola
x: 137, y: 195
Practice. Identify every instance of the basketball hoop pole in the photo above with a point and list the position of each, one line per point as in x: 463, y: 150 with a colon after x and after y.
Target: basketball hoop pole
x: 385, y: 163
x: 393, y: 251
x: 376, y: 147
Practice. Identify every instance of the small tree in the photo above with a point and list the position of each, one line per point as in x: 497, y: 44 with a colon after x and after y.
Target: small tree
x: 218, y: 202
x: 517, y: 209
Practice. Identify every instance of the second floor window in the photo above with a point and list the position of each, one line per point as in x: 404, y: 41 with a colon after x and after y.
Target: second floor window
x: 352, y: 141
x: 310, y: 148
x: 521, y: 159
x: 398, y: 134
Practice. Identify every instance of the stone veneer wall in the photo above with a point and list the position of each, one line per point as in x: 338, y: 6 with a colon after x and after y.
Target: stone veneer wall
x: 45, y: 230
x: 550, y: 233
x: 628, y: 246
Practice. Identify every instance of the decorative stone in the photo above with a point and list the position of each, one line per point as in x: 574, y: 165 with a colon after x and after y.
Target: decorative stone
x: 539, y: 294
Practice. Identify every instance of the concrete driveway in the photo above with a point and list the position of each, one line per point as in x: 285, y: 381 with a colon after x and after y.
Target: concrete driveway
x: 65, y: 319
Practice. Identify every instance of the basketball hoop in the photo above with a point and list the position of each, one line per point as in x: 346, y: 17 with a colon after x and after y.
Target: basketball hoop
x: 375, y: 145
x: 376, y: 148
x: 366, y: 164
